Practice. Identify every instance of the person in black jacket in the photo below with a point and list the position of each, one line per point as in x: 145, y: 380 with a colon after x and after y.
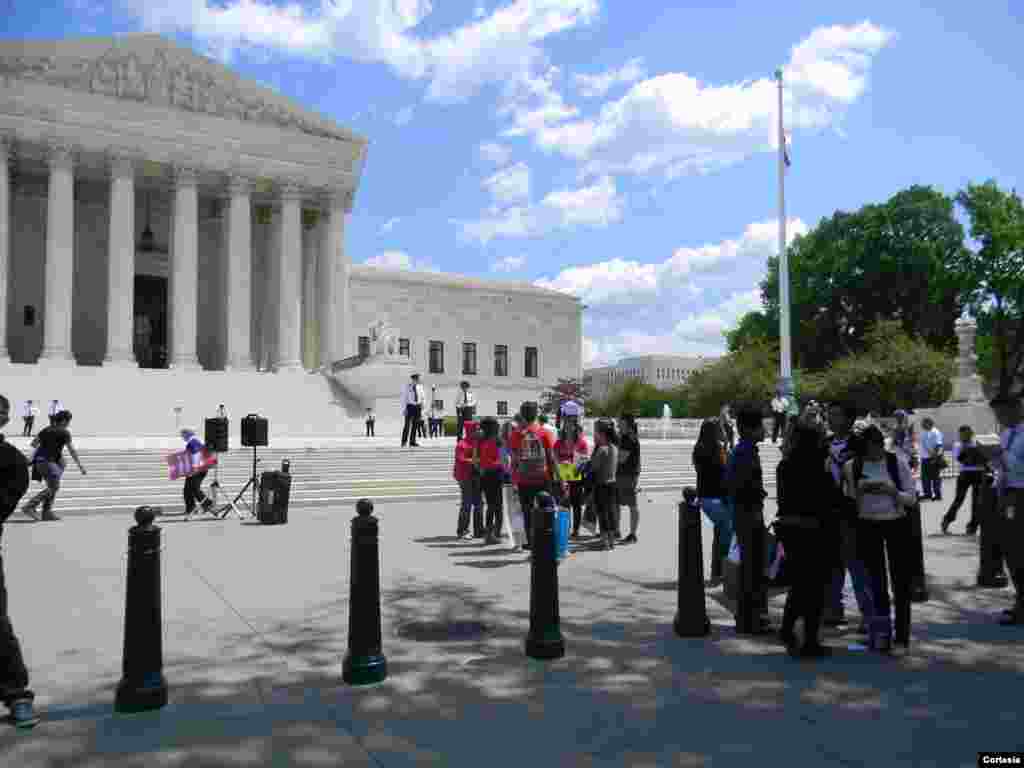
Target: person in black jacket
x: 809, y: 533
x: 14, y: 690
x: 628, y: 475
x: 48, y: 461
x: 709, y: 459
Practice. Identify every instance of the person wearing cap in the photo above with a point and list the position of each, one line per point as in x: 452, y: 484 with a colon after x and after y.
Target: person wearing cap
x: 1010, y: 465
x: 412, y: 408
x: 465, y: 407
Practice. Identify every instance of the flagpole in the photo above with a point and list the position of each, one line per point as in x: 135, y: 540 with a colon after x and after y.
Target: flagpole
x: 786, y: 361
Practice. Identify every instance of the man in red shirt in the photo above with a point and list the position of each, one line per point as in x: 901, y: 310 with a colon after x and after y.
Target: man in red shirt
x: 534, y: 467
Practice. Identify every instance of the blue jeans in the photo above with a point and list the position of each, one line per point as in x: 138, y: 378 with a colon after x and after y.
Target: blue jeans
x: 850, y: 561
x: 720, y: 513
x: 471, y: 503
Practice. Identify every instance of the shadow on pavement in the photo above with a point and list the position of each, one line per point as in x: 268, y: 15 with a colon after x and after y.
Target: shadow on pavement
x: 627, y: 693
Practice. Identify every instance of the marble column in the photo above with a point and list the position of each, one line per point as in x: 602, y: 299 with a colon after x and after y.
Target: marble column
x: 5, y: 242
x: 238, y: 287
x: 334, y: 280
x: 59, y: 270
x: 183, y: 287
x: 289, y: 275
x: 121, y: 264
x: 310, y: 242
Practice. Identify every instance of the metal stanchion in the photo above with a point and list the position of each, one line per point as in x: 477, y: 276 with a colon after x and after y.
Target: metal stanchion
x: 365, y: 662
x: 691, y: 612
x: 544, y: 640
x: 143, y: 686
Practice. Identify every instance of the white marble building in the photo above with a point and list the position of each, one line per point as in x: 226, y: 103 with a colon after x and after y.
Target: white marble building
x: 662, y: 371
x: 172, y: 236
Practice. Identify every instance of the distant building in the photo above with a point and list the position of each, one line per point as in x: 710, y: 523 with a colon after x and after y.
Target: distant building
x: 662, y: 371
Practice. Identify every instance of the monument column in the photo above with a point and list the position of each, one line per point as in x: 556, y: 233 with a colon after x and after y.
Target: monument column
x: 121, y: 263
x: 310, y: 243
x: 183, y: 288
x: 59, y: 270
x: 5, y: 242
x: 289, y: 276
x: 334, y: 280
x: 238, y: 287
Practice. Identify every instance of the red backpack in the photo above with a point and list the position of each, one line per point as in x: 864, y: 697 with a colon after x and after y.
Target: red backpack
x: 532, y: 460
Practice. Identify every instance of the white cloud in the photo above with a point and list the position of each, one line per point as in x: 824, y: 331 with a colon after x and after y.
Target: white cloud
x: 595, y: 206
x: 509, y: 264
x: 498, y: 47
x: 619, y: 281
x: 389, y: 225
x: 682, y: 305
x: 403, y: 116
x: 674, y: 124
x: 595, y: 86
x: 510, y: 185
x: 399, y: 260
x: 496, y: 154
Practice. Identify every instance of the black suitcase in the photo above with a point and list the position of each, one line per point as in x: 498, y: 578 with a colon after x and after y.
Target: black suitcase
x: 275, y: 489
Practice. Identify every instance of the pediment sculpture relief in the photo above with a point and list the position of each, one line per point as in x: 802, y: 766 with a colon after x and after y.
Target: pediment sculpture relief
x: 127, y: 76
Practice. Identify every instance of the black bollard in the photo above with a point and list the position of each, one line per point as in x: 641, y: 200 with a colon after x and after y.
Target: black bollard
x: 143, y: 686
x: 691, y: 611
x: 544, y: 640
x: 364, y: 663
x: 991, y: 554
x: 918, y: 580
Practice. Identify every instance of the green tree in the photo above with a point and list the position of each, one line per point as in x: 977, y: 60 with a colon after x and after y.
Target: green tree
x: 748, y: 375
x: 993, y: 277
x: 753, y: 328
x: 893, y: 371
x: 883, y: 262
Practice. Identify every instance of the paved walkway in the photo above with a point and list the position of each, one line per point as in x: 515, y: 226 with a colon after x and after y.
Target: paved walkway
x: 256, y: 628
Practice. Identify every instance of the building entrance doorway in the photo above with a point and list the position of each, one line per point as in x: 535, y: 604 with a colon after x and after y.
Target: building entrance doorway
x: 151, y: 321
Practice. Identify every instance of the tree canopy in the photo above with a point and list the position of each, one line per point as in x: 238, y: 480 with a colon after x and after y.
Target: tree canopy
x: 993, y: 277
x: 887, y: 261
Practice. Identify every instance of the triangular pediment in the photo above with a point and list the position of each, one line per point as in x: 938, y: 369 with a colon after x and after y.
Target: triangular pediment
x: 151, y: 69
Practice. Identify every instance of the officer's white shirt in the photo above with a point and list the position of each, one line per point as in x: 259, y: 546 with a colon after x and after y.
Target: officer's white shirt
x: 779, y: 405
x: 29, y: 409
x: 412, y: 394
x: 466, y: 399
x: 572, y: 408
x: 56, y: 407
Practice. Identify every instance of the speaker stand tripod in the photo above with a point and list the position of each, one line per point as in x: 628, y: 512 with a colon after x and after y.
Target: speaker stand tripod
x: 240, y: 500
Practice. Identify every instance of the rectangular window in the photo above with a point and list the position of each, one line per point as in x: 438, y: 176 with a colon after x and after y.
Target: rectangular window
x: 503, y: 407
x: 364, y: 346
x: 437, y: 357
x: 501, y: 360
x: 469, y: 358
x: 530, y: 361
x: 403, y: 347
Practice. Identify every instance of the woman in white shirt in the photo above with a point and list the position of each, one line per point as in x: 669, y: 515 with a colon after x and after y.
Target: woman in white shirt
x: 882, y: 486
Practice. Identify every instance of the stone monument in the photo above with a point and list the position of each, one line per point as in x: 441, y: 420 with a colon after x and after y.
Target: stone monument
x: 968, y: 404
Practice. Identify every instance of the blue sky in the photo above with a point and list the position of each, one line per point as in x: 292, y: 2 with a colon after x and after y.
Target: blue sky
x: 622, y: 151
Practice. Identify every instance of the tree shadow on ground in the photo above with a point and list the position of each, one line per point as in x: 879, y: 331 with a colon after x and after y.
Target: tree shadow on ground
x: 627, y: 692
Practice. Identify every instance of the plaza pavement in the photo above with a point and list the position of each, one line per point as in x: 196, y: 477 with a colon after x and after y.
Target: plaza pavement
x: 255, y: 629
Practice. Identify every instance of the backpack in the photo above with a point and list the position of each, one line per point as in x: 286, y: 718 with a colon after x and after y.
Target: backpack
x: 14, y: 484
x: 532, y: 461
x: 892, y: 464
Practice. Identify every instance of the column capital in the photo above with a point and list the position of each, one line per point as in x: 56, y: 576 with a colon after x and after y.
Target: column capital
x: 335, y: 197
x: 60, y: 153
x: 238, y: 184
x: 290, y: 191
x: 122, y: 163
x: 184, y: 174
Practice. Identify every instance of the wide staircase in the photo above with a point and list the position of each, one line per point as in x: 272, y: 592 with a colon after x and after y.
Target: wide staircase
x: 121, y: 480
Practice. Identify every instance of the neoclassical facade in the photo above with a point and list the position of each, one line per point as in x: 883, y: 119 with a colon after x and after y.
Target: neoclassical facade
x: 171, y: 233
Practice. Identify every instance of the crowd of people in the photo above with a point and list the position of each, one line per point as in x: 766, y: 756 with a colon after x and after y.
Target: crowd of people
x: 847, y: 504
x: 513, y: 464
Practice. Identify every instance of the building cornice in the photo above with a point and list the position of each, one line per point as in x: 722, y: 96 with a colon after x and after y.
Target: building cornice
x: 368, y: 273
